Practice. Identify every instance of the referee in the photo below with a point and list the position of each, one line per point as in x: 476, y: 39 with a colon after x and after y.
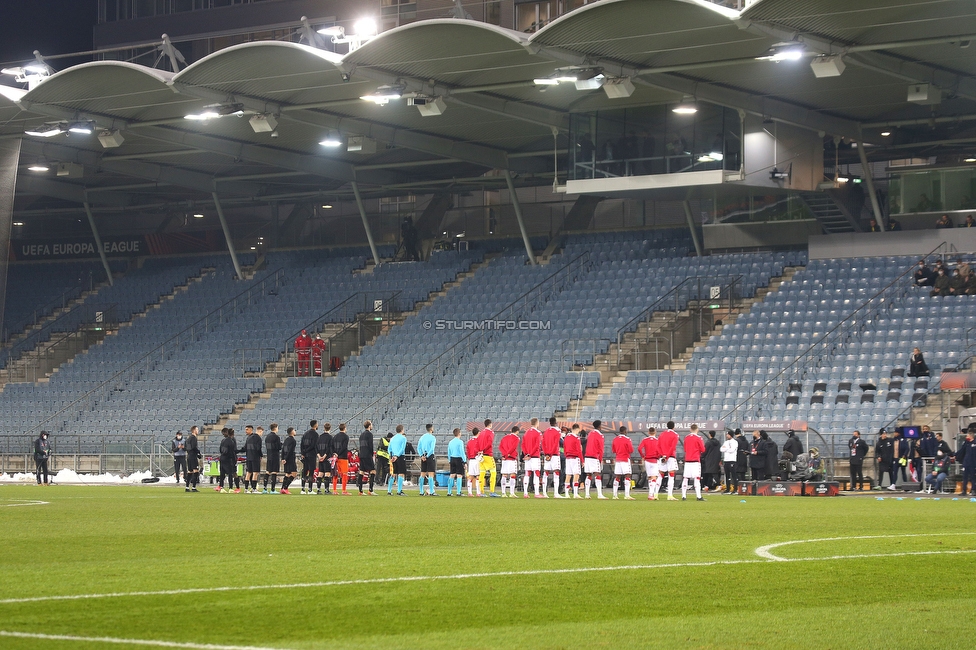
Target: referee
x: 457, y: 458
x: 398, y: 446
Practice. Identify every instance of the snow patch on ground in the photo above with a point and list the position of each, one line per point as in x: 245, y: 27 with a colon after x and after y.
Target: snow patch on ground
x: 70, y: 477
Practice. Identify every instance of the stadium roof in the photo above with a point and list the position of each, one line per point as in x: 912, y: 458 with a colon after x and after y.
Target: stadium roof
x: 495, y: 116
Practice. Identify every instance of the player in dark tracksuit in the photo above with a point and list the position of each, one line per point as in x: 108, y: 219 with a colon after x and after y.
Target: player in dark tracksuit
x: 367, y: 467
x: 290, y: 460
x: 228, y: 460
x: 323, y: 454
x: 272, y: 447
x: 252, y: 459
x: 309, y: 440
x: 193, y: 457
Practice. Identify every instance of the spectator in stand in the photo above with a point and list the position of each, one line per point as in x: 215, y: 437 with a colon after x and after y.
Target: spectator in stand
x: 757, y: 457
x: 942, y: 283
x: 884, y: 454
x: 730, y: 456
x: 712, y: 462
x: 944, y: 222
x: 957, y: 283
x: 873, y: 226
x: 858, y: 450
x: 940, y: 471
x: 966, y: 456
x: 893, y: 226
x: 924, y: 276
x: 970, y: 222
x: 772, y: 457
x: 963, y: 266
x: 42, y: 452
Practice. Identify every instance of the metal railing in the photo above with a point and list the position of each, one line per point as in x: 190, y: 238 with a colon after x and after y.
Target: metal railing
x: 148, y: 361
x: 69, y: 294
x: 445, y: 365
x: 722, y: 291
x: 356, y: 313
x: 823, y: 351
x: 964, y: 364
x: 576, y: 354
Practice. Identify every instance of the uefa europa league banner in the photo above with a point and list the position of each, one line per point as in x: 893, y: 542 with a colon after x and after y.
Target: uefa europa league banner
x: 131, y: 246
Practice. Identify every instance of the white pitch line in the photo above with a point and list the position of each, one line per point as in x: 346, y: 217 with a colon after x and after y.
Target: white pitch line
x: 26, y: 502
x: 764, y: 551
x: 462, y: 576
x: 148, y: 642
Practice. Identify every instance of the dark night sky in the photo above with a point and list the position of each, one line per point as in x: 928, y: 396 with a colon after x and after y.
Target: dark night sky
x: 51, y: 26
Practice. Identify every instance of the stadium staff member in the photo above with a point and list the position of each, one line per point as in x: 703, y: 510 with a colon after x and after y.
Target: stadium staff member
x: 398, y: 447
x: 858, y: 449
x: 757, y: 457
x: 177, y: 447
x: 193, y: 457
x: 42, y: 452
x: 383, y: 458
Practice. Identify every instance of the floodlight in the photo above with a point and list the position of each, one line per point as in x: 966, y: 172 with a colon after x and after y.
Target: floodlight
x: 334, y: 30
x: 783, y: 52
x: 546, y: 81
x: 82, y: 128
x: 685, y: 108
x: 333, y: 139
x: 48, y: 130
x: 365, y: 27
x: 39, y: 167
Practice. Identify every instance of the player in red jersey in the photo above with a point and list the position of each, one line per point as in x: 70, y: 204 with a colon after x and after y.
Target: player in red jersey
x: 508, y: 447
x: 573, y: 450
x: 551, y: 438
x: 667, y: 444
x: 473, y: 449
x: 694, y: 448
x: 488, y: 472
x: 531, y: 448
x: 622, y: 448
x: 593, y: 462
x: 648, y: 450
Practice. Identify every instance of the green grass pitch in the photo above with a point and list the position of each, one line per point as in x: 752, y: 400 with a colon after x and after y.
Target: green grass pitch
x: 914, y: 587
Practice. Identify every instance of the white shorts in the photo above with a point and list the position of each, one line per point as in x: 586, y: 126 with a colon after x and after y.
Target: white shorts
x: 622, y: 467
x: 509, y: 467
x: 552, y: 465
x: 572, y: 467
x: 670, y: 466
x: 533, y: 464
x: 592, y: 465
x: 692, y: 470
x: 650, y: 467
x: 474, y: 467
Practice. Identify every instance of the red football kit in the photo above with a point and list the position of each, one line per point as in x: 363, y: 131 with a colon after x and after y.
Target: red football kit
x: 594, y: 444
x: 648, y: 449
x: 572, y: 447
x: 508, y: 446
x: 531, y: 441
x: 622, y: 448
x: 667, y: 443
x: 550, y: 441
x: 487, y: 439
x: 473, y: 447
x: 694, y: 448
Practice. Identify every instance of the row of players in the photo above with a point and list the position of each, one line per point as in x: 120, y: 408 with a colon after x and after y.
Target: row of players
x: 327, y: 459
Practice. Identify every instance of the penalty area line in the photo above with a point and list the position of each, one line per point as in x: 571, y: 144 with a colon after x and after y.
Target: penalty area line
x: 144, y: 642
x: 465, y: 576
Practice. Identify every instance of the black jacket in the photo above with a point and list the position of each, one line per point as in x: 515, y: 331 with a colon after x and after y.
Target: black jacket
x: 252, y: 446
x: 340, y: 445
x: 309, y: 440
x: 228, y: 450
x: 859, y: 449
x: 288, y: 449
x: 366, y: 444
x: 743, y: 456
x: 325, y: 446
x: 192, y: 448
x: 772, y: 458
x: 42, y: 449
x: 713, y: 456
x: 794, y: 446
x: 757, y: 454
x: 272, y: 444
x: 884, y: 451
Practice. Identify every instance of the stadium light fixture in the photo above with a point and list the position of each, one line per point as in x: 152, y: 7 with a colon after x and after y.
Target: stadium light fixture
x: 326, y: 207
x: 48, y: 130
x: 40, y: 168
x: 365, y: 29
x: 783, y: 52
x: 885, y: 134
x: 686, y: 107
x: 546, y: 81
x: 333, y: 30
x: 198, y: 216
x: 30, y: 74
x: 18, y: 223
x: 81, y: 128
x: 971, y: 159
x: 213, y: 111
x: 385, y: 94
x: 332, y: 140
